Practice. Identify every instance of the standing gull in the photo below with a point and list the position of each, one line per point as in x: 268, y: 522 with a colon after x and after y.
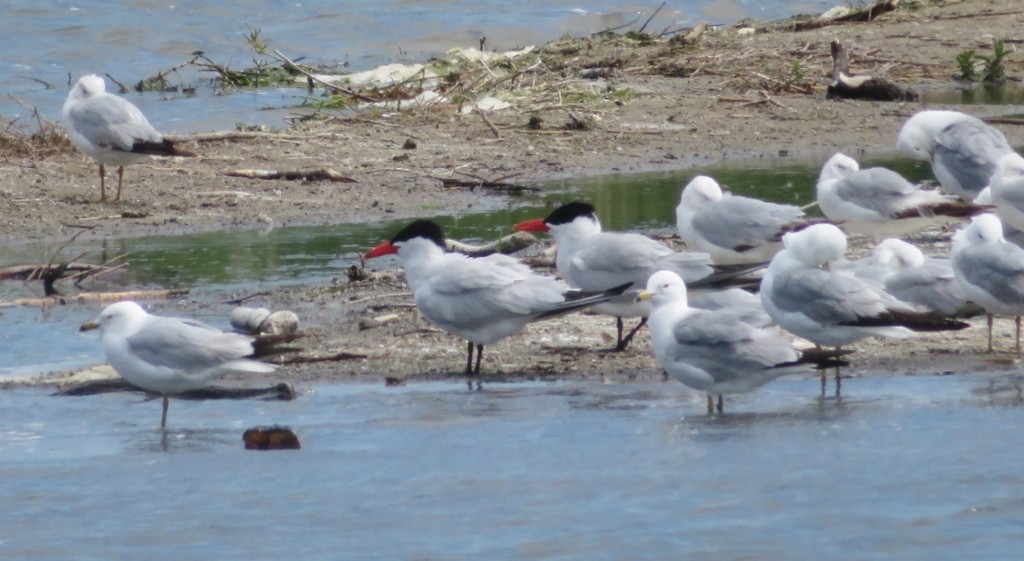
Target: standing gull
x: 732, y: 229
x: 111, y: 130
x: 1007, y: 190
x: 591, y: 259
x: 717, y: 351
x: 962, y: 149
x: 481, y: 299
x: 990, y: 270
x: 169, y: 355
x: 880, y: 202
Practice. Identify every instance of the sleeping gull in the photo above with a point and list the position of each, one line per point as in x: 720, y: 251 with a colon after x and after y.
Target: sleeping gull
x: 962, y: 149
x: 591, y: 259
x: 168, y: 355
x: 990, y: 270
x: 111, y: 130
x: 732, y: 229
x: 716, y: 351
x: 927, y: 282
x: 832, y: 308
x: 880, y: 202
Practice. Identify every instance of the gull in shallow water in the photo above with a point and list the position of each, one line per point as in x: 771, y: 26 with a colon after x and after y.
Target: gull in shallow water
x: 111, y: 130
x: 730, y: 228
x: 990, y: 270
x: 962, y: 149
x: 880, y: 202
x: 168, y: 355
x: 717, y: 351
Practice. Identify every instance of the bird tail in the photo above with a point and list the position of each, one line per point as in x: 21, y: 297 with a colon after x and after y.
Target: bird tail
x: 577, y: 300
x: 820, y: 358
x: 163, y: 148
x: 730, y: 276
x: 915, y: 321
x: 952, y: 209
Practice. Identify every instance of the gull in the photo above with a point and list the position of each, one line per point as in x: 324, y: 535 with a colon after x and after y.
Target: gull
x: 1006, y: 190
x: 962, y: 149
x: 716, y: 351
x: 833, y: 308
x: 111, y: 130
x: 480, y: 299
x: 590, y: 259
x: 880, y: 202
x: 732, y: 229
x: 167, y: 355
x: 990, y: 270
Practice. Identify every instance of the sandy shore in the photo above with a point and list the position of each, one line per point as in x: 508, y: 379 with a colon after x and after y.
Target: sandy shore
x: 737, y: 94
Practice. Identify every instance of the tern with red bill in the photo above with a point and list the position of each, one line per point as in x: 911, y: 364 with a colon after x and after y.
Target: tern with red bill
x: 592, y: 260
x: 481, y: 299
x: 111, y: 130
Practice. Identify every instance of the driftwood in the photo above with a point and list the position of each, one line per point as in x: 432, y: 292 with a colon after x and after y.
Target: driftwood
x: 869, y: 13
x: 847, y: 86
x: 692, y: 37
x: 94, y: 297
x: 305, y: 359
x: 324, y: 174
x: 279, y: 392
x: 508, y: 244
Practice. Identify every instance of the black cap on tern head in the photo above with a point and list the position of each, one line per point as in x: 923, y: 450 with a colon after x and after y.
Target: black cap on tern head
x: 420, y: 229
x: 569, y: 212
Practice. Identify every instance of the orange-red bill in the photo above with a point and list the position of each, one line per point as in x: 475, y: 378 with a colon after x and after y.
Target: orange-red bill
x: 535, y: 225
x: 383, y: 249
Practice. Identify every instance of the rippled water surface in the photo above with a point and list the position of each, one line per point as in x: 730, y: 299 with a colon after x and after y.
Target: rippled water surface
x: 903, y: 468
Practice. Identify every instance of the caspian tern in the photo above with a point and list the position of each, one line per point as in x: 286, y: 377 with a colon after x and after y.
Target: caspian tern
x: 591, y: 260
x: 481, y: 299
x: 111, y: 130
x: 990, y: 270
x: 880, y: 202
x: 168, y: 355
x: 717, y: 351
x: 962, y: 149
x: 731, y: 228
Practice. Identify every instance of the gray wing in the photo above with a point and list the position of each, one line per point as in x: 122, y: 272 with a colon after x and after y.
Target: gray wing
x: 611, y: 259
x: 968, y: 150
x: 931, y: 284
x: 740, y: 223
x: 186, y: 345
x: 879, y: 189
x: 109, y: 121
x: 995, y: 268
x: 725, y: 347
x: 825, y: 297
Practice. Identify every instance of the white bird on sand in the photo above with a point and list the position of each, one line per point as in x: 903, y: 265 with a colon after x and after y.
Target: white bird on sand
x: 880, y: 202
x: 730, y: 228
x: 592, y: 260
x: 167, y: 355
x: 111, y: 130
x: 990, y: 270
x: 832, y: 308
x: 962, y: 149
x: 716, y: 351
x: 927, y: 282
x: 1006, y: 190
x: 481, y: 299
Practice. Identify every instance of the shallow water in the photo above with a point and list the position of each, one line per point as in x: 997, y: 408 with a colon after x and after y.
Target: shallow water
x: 902, y: 468
x: 219, y: 266
x: 44, y: 43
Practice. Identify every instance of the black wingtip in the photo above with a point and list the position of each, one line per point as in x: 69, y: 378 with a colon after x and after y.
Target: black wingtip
x: 163, y: 148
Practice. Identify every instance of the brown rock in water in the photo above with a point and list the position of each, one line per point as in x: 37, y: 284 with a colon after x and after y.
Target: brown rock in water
x: 271, y: 438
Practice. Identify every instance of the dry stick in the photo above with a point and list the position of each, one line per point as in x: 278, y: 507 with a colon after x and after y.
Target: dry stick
x: 507, y: 244
x: 644, y: 26
x: 487, y: 121
x: 93, y: 297
x: 327, y: 85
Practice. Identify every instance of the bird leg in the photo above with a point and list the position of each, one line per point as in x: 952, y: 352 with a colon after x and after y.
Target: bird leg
x: 720, y: 405
x: 120, y: 176
x: 470, y: 371
x: 103, y: 183
x: 989, y: 332
x: 624, y: 341
x: 839, y: 379
x: 711, y: 405
x: 469, y: 358
x: 163, y: 418
x: 1016, y: 322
